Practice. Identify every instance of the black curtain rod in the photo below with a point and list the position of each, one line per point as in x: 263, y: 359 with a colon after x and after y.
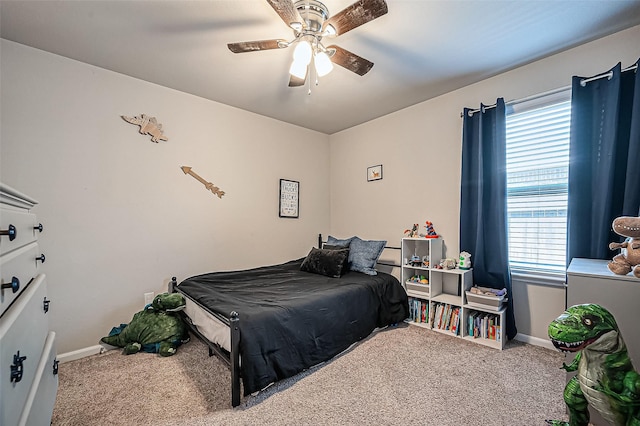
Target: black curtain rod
x: 583, y: 83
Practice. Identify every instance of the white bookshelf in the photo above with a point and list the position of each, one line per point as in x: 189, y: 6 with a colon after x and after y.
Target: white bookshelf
x: 446, y: 292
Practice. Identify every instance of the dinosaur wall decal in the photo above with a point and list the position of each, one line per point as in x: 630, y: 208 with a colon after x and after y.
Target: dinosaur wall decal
x: 148, y: 126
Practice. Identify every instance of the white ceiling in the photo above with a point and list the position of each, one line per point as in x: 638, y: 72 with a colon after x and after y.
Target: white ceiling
x: 420, y: 48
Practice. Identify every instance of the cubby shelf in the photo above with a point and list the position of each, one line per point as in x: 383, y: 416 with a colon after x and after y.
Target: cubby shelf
x: 445, y: 293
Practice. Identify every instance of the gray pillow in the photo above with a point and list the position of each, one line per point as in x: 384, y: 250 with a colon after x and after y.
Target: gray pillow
x: 364, y: 255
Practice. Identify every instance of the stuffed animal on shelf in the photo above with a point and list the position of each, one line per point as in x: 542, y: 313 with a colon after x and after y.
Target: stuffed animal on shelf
x: 413, y: 232
x: 157, y: 328
x: 464, y: 261
x: 431, y: 233
x: 447, y: 263
x: 605, y: 379
x: 629, y: 258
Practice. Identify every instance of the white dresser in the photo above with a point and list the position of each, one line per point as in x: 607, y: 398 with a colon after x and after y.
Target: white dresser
x: 28, y: 365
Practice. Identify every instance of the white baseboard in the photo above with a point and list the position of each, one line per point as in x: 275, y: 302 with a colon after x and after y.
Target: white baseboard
x: 80, y: 353
x: 99, y: 349
x: 534, y: 341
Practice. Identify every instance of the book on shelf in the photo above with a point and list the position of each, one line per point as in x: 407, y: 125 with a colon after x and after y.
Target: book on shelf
x: 411, y: 314
x: 418, y: 310
x: 455, y: 321
x: 447, y: 317
x: 484, y: 325
x: 440, y: 314
x: 453, y: 324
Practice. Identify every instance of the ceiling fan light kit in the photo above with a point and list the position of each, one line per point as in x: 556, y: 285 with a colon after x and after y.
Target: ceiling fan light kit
x: 310, y: 22
x: 298, y: 69
x: 302, y: 52
x: 323, y: 64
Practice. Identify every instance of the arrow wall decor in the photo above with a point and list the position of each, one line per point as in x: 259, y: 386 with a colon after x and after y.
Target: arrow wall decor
x: 210, y: 187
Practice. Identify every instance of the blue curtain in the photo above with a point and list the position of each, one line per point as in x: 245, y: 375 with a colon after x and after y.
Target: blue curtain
x: 483, y: 203
x: 604, y: 171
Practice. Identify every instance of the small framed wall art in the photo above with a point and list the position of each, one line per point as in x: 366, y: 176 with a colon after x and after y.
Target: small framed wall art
x: 374, y: 173
x: 289, y: 198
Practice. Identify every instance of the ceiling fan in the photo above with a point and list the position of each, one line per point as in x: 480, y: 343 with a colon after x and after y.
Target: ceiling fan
x: 310, y: 22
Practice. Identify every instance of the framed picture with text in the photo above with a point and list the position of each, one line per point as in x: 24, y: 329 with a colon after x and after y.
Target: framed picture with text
x: 289, y: 198
x: 374, y: 173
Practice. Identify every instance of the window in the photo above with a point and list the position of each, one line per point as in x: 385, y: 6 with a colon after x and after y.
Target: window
x: 537, y: 180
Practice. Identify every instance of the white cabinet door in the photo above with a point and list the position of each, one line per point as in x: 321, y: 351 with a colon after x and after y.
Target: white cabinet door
x: 23, y: 331
x: 42, y: 397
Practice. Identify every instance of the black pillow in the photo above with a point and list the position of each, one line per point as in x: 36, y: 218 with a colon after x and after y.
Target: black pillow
x: 325, y: 262
x: 347, y: 265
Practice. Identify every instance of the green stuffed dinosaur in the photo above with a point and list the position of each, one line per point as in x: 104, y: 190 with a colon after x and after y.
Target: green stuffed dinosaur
x: 605, y: 379
x: 156, y: 329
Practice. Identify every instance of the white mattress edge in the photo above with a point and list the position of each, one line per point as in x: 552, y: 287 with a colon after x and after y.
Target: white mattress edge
x: 208, y: 325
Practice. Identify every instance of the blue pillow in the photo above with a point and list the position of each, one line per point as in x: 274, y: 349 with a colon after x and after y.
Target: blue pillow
x: 364, y: 255
x: 332, y: 241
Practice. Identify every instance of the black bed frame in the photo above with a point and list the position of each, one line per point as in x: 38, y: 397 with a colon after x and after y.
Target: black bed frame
x: 232, y: 359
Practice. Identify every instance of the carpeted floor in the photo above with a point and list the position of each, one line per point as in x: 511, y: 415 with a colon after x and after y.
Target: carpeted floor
x: 404, y: 375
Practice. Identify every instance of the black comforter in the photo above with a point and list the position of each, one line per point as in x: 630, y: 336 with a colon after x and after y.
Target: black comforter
x: 291, y: 320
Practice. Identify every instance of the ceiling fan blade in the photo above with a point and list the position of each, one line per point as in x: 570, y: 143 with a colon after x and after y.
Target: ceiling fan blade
x: 288, y: 13
x: 350, y: 61
x: 295, y: 81
x: 252, y: 46
x: 355, y: 15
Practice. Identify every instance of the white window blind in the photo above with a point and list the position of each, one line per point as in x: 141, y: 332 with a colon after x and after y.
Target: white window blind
x: 537, y: 178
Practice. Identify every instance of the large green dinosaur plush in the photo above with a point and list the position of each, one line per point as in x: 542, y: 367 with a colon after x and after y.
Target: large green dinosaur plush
x: 605, y: 379
x: 157, y: 328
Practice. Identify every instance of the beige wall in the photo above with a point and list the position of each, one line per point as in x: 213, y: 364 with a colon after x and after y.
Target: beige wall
x: 420, y: 149
x: 120, y: 216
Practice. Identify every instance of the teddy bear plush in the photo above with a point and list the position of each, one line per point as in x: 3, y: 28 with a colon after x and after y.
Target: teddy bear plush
x: 157, y: 328
x: 629, y: 258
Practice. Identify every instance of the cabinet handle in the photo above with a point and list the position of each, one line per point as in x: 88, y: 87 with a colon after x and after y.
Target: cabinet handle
x: 41, y: 258
x: 39, y: 227
x: 17, y: 368
x: 14, y: 285
x: 11, y: 232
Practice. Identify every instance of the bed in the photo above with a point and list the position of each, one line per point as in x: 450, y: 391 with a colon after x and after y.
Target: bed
x: 272, y: 322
